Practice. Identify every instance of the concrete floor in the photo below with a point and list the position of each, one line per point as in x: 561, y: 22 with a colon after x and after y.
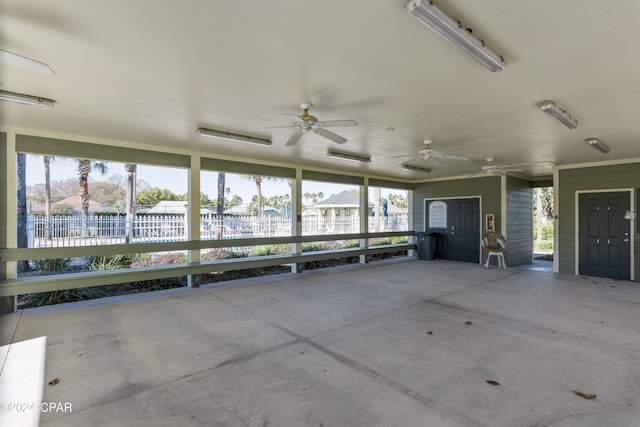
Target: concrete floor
x: 391, y: 344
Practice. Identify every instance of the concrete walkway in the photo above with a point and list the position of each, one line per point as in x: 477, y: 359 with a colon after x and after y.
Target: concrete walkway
x: 408, y: 343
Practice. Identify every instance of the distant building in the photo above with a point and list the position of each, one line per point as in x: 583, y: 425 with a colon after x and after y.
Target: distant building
x: 74, y: 202
x: 245, y: 210
x: 175, y: 207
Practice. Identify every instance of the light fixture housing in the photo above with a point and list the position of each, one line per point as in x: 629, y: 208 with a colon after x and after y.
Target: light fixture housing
x: 351, y: 157
x: 451, y: 30
x: 212, y: 133
x: 26, y: 99
x: 598, y: 145
x: 559, y: 114
x: 415, y: 169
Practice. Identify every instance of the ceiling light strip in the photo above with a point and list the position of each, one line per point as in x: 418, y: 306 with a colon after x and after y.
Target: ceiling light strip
x: 450, y: 29
x: 211, y: 133
x: 351, y: 157
x: 26, y: 99
x: 415, y: 169
x: 559, y: 114
x: 598, y: 145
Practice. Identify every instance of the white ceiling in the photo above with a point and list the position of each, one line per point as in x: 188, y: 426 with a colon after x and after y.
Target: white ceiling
x: 150, y: 71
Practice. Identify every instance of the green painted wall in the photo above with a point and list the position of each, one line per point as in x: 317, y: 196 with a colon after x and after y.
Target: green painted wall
x: 593, y: 178
x: 488, y: 188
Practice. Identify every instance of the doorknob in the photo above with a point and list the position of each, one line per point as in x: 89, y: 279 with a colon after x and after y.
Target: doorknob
x: 626, y: 240
x: 598, y: 240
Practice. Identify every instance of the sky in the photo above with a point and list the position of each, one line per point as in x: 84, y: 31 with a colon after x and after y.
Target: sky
x: 175, y: 179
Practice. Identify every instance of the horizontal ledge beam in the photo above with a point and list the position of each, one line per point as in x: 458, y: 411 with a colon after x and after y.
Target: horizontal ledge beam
x: 25, y: 254
x: 60, y: 282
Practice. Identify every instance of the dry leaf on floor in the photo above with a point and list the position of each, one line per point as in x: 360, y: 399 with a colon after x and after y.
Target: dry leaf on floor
x: 468, y: 322
x: 54, y: 381
x: 493, y: 382
x: 585, y: 395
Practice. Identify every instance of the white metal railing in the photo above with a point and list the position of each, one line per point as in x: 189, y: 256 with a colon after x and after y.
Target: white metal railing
x: 74, y: 230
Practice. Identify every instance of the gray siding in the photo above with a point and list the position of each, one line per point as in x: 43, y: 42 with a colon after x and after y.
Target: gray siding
x: 593, y: 178
x: 519, y: 221
x: 487, y: 188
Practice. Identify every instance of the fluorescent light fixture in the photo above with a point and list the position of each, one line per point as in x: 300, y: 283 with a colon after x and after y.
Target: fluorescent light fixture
x: 232, y: 136
x: 598, y: 145
x: 559, y: 114
x: 415, y: 169
x: 351, y: 157
x: 437, y: 20
x: 23, y: 61
x: 26, y: 99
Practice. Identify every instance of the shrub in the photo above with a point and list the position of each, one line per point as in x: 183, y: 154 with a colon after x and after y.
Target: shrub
x: 547, y: 231
x: 380, y: 241
x: 53, y: 265
x: 58, y: 297
x: 110, y: 262
x: 270, y: 250
x: 545, y: 245
x: 164, y: 259
x: 399, y: 239
x: 313, y: 247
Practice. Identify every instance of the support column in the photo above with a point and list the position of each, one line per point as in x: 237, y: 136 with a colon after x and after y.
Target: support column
x: 296, y: 217
x: 8, y: 213
x: 556, y: 219
x: 364, y: 217
x: 193, y: 217
x: 410, y: 224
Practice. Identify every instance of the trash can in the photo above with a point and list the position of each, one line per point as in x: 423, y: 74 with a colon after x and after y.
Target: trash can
x: 427, y: 245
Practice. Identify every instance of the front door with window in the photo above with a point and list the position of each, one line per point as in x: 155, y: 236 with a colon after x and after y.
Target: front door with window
x: 458, y: 223
x: 604, y: 247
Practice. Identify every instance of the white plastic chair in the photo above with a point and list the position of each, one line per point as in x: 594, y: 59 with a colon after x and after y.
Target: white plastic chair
x: 494, y: 244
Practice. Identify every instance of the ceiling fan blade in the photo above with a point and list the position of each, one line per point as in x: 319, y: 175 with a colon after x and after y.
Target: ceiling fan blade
x: 274, y: 127
x: 23, y: 61
x: 337, y: 123
x: 330, y: 135
x: 292, y: 117
x: 453, y: 157
x: 400, y: 157
x: 511, y: 170
x: 293, y: 139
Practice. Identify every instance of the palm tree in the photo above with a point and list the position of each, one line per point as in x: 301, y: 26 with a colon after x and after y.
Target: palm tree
x: 22, y: 207
x: 258, y: 180
x: 84, y: 169
x: 130, y: 168
x: 47, y: 194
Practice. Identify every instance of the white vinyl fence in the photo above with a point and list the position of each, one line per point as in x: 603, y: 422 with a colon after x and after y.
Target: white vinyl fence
x: 75, y: 230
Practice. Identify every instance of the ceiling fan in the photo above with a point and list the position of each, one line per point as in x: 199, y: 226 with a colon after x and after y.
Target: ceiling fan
x: 429, y: 153
x: 305, y: 122
x: 490, y: 168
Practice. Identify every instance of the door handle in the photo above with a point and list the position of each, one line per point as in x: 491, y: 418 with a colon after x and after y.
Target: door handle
x: 598, y: 240
x: 626, y: 240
